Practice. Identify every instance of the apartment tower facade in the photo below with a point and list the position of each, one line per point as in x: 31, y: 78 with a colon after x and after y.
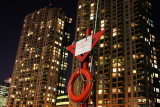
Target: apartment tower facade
x: 41, y: 61
x: 127, y: 71
x: 4, y: 87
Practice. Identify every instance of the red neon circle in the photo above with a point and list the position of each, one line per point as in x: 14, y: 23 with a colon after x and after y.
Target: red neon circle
x: 82, y: 97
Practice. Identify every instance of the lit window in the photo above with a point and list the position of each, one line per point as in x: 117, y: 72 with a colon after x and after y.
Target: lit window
x: 91, y: 16
x: 114, y: 29
x: 157, y: 90
x: 155, y: 66
x: 92, y: 4
x: 158, y: 100
x: 63, y: 85
x: 39, y: 38
x: 100, y: 102
x: 119, y: 69
x: 141, y: 55
x: 30, y: 33
x: 143, y: 100
x: 101, y: 62
x: 56, y: 42
x: 133, y: 24
x: 135, y: 56
x: 119, y: 90
x: 129, y: 89
x: 102, y: 24
x: 79, y: 6
x: 12, y: 96
x: 70, y: 20
x: 114, y: 60
x: 101, y: 57
x: 134, y: 37
x: 102, y: 45
x: 114, y: 33
x: 102, y: 37
x: 155, y: 62
x: 139, y: 100
x: 114, y: 74
x: 156, y: 75
x: 114, y: 90
x: 91, y: 102
x: 100, y: 81
x: 62, y: 91
x: 116, y: 46
x: 53, y: 100
x: 134, y: 71
x: 120, y: 64
x: 99, y: 91
x: 114, y: 69
x: 77, y: 29
x: 92, y: 12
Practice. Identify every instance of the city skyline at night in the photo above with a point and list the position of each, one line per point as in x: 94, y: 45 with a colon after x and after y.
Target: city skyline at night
x: 126, y: 57
x: 42, y: 59
x: 12, y: 20
x: 11, y: 26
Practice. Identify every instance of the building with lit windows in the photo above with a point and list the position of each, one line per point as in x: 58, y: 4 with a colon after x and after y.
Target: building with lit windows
x: 156, y: 79
x: 40, y: 68
x: 8, y: 80
x: 62, y: 100
x: 126, y: 62
x: 4, y: 87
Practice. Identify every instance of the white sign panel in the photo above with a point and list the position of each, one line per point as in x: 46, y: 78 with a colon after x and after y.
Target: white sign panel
x: 83, y: 45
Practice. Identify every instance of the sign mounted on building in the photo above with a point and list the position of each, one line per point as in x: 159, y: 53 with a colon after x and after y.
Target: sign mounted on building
x: 83, y: 45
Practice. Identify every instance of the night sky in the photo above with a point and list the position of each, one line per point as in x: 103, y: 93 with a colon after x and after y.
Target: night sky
x: 12, y: 13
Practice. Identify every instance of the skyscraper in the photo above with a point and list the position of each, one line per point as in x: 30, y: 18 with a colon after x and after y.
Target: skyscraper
x: 4, y: 87
x: 41, y: 61
x: 127, y: 72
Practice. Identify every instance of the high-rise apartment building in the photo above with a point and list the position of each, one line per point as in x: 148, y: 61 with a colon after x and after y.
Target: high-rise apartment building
x: 4, y: 87
x: 40, y: 68
x: 127, y: 72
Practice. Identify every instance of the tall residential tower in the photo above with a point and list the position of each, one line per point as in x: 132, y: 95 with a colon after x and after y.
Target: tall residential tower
x: 41, y: 61
x: 127, y: 72
x: 4, y: 87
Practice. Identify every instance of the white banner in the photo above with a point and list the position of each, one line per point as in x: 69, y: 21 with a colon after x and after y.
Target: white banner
x: 83, y: 45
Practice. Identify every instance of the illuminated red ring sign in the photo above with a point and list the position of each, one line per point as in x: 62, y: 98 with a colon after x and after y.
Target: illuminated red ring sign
x: 82, y: 97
